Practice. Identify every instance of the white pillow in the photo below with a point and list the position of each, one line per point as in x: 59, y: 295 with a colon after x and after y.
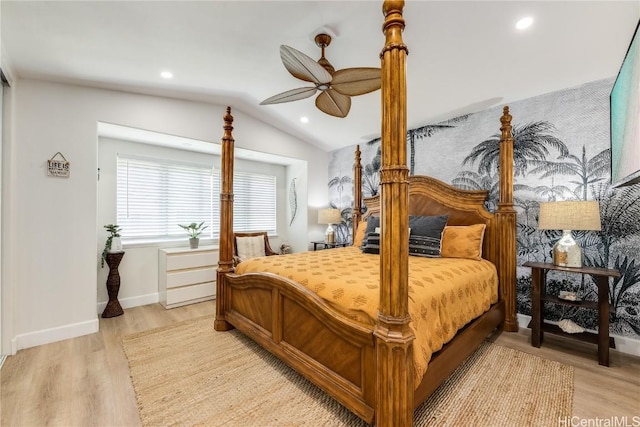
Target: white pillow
x: 250, y: 247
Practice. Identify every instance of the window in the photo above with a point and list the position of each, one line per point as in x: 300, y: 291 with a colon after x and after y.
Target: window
x: 254, y: 205
x: 154, y: 196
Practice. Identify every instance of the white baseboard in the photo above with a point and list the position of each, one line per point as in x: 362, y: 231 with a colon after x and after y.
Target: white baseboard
x: 623, y: 344
x: 133, y: 301
x: 46, y: 336
x: 2, y: 359
x: 60, y: 333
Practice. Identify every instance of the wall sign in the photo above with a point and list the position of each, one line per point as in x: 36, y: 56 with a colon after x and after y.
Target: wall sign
x: 58, y: 166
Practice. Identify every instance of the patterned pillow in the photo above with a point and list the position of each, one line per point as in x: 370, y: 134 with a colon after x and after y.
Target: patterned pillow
x: 372, y: 246
x: 463, y: 241
x: 358, y: 236
x: 426, y: 235
x: 372, y: 223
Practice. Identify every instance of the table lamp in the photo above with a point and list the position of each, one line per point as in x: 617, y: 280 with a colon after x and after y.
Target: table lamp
x: 329, y: 216
x: 567, y: 216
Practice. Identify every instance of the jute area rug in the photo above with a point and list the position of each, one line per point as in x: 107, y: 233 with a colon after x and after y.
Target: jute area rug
x: 188, y: 374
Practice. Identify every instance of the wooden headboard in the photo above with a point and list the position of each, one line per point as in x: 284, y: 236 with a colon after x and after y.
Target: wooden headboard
x: 429, y: 196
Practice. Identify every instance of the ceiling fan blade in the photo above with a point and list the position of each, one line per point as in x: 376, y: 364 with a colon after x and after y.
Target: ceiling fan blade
x: 333, y: 103
x: 303, y: 67
x: 290, y: 95
x: 357, y: 81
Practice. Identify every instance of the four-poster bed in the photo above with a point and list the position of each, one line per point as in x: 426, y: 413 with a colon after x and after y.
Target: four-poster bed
x: 367, y: 362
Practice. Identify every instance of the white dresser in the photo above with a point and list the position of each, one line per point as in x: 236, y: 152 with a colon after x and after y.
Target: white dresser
x: 186, y: 276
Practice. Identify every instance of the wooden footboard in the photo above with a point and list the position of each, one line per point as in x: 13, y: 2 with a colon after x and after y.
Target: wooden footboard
x: 329, y: 349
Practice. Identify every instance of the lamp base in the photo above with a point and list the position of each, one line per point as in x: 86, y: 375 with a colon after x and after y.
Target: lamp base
x: 330, y: 235
x: 566, y: 252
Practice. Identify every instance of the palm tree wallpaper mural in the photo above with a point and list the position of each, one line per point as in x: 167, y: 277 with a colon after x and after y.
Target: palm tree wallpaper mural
x: 561, y: 152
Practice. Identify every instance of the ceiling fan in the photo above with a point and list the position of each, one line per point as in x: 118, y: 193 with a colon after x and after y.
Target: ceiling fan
x: 336, y: 87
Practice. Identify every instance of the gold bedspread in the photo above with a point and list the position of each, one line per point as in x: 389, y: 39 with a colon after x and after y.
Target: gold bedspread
x: 444, y: 293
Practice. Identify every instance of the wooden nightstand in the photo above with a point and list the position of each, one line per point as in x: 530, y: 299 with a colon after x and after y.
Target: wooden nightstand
x: 325, y: 245
x: 539, y: 297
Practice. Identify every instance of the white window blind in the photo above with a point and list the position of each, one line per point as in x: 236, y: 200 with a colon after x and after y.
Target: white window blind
x: 254, y: 206
x: 154, y: 196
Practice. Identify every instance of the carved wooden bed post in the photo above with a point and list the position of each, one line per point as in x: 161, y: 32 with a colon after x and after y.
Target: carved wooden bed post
x: 357, y: 191
x: 394, y: 337
x: 225, y: 263
x: 506, y: 216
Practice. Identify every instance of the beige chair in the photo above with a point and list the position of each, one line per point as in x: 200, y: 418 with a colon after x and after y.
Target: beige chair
x: 251, y: 245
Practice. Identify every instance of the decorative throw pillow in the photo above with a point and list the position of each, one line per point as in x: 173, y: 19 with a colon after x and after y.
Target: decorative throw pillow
x: 358, y: 236
x: 372, y: 223
x: 463, y: 241
x: 250, y: 247
x: 426, y: 235
x: 372, y: 246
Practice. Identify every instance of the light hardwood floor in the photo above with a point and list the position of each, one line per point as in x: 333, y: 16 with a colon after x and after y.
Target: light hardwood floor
x: 85, y: 381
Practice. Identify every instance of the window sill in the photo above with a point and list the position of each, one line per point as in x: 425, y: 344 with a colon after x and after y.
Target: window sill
x: 174, y: 243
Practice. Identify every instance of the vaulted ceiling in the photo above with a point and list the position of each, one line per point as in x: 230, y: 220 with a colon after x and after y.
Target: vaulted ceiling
x: 464, y: 56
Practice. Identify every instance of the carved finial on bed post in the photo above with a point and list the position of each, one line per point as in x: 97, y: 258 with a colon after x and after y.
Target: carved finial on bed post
x: 357, y: 191
x: 225, y: 262
x: 506, y: 159
x: 394, y: 338
x: 506, y: 219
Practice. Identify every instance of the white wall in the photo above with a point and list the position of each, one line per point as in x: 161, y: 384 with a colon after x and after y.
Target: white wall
x: 49, y: 224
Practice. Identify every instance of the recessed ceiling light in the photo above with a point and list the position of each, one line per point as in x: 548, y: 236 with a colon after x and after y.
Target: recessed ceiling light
x: 524, y: 23
x: 166, y: 74
x: 304, y: 119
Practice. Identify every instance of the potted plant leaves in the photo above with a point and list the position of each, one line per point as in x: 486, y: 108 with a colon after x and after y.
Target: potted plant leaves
x: 194, y: 230
x: 113, y: 243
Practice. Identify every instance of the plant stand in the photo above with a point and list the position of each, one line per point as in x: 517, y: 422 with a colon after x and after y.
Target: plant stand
x: 113, y: 307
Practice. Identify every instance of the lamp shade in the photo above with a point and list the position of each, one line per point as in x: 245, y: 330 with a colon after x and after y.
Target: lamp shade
x: 329, y: 216
x: 570, y: 215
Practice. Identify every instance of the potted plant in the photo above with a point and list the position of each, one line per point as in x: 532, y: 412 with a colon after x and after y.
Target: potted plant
x: 113, y: 243
x: 194, y: 230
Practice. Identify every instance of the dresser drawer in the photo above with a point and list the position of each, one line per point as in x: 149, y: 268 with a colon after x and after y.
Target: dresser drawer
x: 190, y: 293
x: 191, y: 260
x: 190, y: 277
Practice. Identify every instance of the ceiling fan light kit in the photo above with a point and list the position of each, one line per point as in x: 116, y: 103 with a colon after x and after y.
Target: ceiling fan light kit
x: 336, y: 87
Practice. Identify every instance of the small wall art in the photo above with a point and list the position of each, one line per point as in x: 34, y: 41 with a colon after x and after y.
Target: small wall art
x: 293, y: 200
x: 58, y: 166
